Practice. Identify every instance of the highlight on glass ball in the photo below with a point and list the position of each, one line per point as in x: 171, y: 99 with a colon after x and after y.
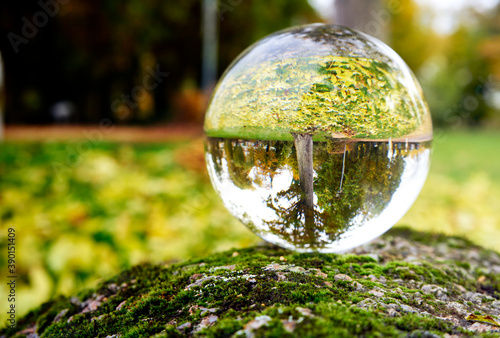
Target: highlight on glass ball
x: 318, y: 138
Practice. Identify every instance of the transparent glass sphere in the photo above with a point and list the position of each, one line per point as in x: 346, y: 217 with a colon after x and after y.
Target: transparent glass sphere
x: 318, y: 138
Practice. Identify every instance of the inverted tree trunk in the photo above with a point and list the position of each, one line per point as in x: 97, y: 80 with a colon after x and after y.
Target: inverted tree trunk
x: 304, y: 147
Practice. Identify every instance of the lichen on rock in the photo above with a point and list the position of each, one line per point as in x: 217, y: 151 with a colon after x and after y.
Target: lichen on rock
x: 405, y: 283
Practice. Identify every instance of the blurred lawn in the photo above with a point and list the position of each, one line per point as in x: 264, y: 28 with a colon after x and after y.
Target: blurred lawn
x: 84, y: 211
x: 462, y: 193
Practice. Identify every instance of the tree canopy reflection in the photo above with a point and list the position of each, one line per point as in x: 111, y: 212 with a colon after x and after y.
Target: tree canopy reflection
x: 342, y: 185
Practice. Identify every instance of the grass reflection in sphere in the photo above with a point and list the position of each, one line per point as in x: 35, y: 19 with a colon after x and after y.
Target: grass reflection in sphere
x: 318, y: 138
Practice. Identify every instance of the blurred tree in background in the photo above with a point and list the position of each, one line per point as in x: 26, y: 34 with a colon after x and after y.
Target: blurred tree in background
x: 94, y: 53
x: 459, y: 68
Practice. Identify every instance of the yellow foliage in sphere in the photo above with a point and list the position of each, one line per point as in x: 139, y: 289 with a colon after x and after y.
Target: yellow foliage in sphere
x: 328, y: 81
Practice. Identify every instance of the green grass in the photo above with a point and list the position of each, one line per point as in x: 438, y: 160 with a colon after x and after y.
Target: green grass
x: 84, y: 211
x: 253, y: 133
x: 462, y: 192
x: 278, y: 133
x: 460, y: 155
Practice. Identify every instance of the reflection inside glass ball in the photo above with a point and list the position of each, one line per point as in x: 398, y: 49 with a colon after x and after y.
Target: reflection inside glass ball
x: 318, y: 138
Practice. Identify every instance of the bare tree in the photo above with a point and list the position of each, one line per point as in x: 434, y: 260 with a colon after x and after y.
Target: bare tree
x: 304, y: 146
x: 210, y: 46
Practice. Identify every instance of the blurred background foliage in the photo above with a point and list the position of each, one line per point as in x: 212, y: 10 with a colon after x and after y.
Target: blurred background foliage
x: 92, y: 52
x: 84, y: 210
x: 117, y: 206
x: 457, y: 65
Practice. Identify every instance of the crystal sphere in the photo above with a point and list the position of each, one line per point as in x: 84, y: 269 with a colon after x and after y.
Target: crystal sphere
x: 318, y: 138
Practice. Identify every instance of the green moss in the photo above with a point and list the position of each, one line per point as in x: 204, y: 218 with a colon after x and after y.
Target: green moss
x: 433, y: 238
x: 394, y: 295
x: 464, y: 265
x: 428, y: 296
x: 301, y: 295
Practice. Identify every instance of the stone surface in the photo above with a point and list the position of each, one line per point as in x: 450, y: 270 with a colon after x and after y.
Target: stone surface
x: 403, y: 284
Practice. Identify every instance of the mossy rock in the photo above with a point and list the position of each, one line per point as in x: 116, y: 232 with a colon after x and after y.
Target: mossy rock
x: 405, y: 283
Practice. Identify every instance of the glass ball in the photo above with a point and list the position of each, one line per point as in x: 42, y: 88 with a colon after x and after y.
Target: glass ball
x: 318, y: 138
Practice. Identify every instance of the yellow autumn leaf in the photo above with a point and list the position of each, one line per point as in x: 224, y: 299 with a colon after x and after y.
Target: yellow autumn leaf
x: 482, y: 319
